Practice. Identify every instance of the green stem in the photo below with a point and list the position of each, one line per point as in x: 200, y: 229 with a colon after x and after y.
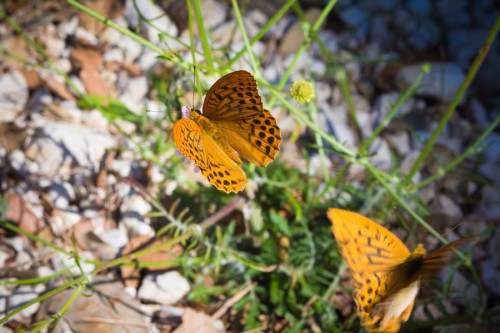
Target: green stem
x: 473, y: 149
x: 203, y: 34
x: 248, y: 47
x: 461, y: 91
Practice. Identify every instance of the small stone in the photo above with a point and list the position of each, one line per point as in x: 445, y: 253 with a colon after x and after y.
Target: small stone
x: 442, y: 82
x: 22, y: 295
x: 167, y: 288
x: 381, y: 158
x: 13, y: 95
x: 478, y: 114
x: 133, y: 91
x: 113, y: 55
x: 153, y: 12
x: 492, y: 151
x: 68, y: 27
x: 133, y: 209
x: 61, y: 194
x: 87, y: 36
x: 114, y: 237
x: 400, y: 142
x: 60, y: 261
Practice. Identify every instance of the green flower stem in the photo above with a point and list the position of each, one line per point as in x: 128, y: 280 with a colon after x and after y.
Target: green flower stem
x: 129, y: 33
x: 203, y: 34
x: 239, y: 20
x: 261, y: 33
x: 473, y: 149
x: 451, y: 108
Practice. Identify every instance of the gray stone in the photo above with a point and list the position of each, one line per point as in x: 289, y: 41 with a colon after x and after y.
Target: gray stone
x: 442, y: 82
x: 489, y: 207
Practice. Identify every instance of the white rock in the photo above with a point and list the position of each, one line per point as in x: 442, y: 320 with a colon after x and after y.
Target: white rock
x: 130, y: 48
x: 167, y: 288
x: 81, y: 33
x: 61, y: 194
x: 63, y: 221
x: 60, y: 261
x: 22, y: 295
x: 334, y: 121
x: 114, y: 237
x: 133, y: 91
x: 68, y: 27
x: 214, y: 12
x: 133, y: 209
x: 58, y: 146
x: 111, y: 36
x: 162, y: 23
x: 113, y: 54
x: 382, y: 154
x: 95, y: 119
x: 13, y: 95
x: 441, y: 82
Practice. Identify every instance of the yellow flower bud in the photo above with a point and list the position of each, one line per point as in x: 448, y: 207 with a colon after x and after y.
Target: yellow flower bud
x: 302, y: 91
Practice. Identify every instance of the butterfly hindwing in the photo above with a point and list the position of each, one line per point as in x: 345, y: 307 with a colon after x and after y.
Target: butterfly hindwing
x: 214, y: 164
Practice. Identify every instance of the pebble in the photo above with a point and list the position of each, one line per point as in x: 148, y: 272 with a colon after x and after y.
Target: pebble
x: 442, y: 82
x: 13, y: 95
x: 57, y: 146
x: 153, y: 12
x: 167, y: 288
x: 133, y: 209
x: 115, y: 237
x: 61, y: 194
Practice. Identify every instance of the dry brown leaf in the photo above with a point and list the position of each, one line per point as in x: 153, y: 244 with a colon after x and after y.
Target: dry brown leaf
x: 58, y: 87
x: 32, y: 78
x: 90, y: 62
x: 195, y: 322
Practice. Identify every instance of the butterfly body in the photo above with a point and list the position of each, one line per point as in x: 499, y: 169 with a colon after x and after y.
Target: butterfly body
x: 387, y: 276
x: 233, y: 122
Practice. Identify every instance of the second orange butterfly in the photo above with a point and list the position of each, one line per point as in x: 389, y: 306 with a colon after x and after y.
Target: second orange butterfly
x: 232, y: 121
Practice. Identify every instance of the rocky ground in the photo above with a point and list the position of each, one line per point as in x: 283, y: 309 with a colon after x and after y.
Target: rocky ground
x: 61, y: 174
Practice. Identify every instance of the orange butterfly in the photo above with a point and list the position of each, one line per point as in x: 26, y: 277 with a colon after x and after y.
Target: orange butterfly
x: 233, y: 120
x: 386, y: 274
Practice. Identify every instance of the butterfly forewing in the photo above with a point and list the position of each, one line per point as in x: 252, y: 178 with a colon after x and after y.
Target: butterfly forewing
x: 234, y: 96
x: 234, y: 105
x: 214, y: 164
